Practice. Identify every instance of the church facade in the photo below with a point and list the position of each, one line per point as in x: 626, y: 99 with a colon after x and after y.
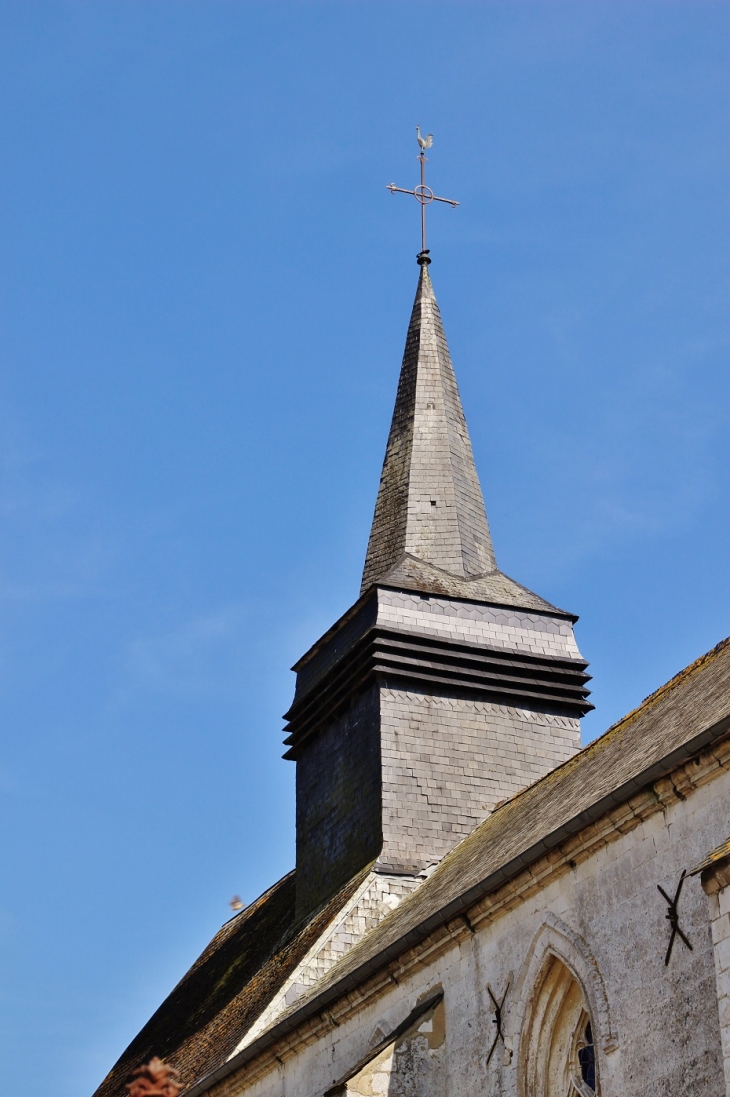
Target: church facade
x: 478, y: 905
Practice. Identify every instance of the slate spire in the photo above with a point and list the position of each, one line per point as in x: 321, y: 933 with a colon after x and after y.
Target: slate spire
x: 430, y: 504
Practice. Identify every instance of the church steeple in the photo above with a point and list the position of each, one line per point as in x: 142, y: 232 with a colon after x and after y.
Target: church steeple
x: 447, y: 687
x: 430, y: 504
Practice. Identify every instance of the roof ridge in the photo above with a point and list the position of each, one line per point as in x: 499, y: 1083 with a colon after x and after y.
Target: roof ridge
x: 682, y: 675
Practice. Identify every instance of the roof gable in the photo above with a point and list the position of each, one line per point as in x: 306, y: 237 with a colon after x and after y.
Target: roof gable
x: 204, y: 1018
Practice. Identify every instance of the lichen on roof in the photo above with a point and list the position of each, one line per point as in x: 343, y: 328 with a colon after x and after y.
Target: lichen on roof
x: 693, y: 706
x: 212, y: 1007
x: 205, y: 1018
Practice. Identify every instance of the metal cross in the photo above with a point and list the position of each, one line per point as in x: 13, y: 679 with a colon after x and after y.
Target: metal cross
x: 672, y: 916
x: 423, y: 194
x: 497, y: 1019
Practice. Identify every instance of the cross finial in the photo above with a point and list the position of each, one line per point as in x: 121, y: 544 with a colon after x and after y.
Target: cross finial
x: 423, y: 194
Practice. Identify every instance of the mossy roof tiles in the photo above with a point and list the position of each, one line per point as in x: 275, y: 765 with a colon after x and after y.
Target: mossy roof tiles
x: 204, y: 1018
x: 677, y: 721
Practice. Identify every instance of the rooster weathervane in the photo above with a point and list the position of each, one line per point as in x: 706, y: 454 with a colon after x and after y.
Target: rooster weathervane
x: 423, y: 194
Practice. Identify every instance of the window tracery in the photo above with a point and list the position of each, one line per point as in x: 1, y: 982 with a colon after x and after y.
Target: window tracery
x: 583, y: 1059
x: 558, y: 1056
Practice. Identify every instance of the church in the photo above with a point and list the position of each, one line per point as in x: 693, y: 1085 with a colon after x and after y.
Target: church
x: 478, y: 906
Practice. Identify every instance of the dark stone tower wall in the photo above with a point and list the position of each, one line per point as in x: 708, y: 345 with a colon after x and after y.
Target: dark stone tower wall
x: 339, y: 802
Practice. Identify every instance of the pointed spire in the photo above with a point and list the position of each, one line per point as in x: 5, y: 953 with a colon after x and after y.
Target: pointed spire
x: 430, y: 505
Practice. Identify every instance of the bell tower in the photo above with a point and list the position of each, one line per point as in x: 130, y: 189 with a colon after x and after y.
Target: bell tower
x: 447, y: 687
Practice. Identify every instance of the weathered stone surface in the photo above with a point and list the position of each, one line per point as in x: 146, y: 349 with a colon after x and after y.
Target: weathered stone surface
x: 656, y: 1028
x: 716, y: 882
x: 412, y: 1065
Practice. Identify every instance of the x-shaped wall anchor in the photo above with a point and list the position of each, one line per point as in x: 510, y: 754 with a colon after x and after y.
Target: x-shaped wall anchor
x: 497, y: 1019
x: 672, y: 916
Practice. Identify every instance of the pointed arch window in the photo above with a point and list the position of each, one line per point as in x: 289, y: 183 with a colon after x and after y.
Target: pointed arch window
x: 558, y: 1057
x: 586, y: 1056
x: 582, y: 1060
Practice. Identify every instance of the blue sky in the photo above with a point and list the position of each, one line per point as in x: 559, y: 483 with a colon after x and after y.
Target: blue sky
x: 204, y: 292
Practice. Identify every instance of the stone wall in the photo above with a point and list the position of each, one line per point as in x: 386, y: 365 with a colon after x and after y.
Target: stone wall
x: 597, y: 907
x: 410, y: 1066
x: 716, y: 882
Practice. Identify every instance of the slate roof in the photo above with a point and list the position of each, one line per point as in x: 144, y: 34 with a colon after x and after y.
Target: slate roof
x: 672, y: 725
x: 204, y: 1018
x: 495, y: 588
x: 410, y: 574
x: 429, y: 503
